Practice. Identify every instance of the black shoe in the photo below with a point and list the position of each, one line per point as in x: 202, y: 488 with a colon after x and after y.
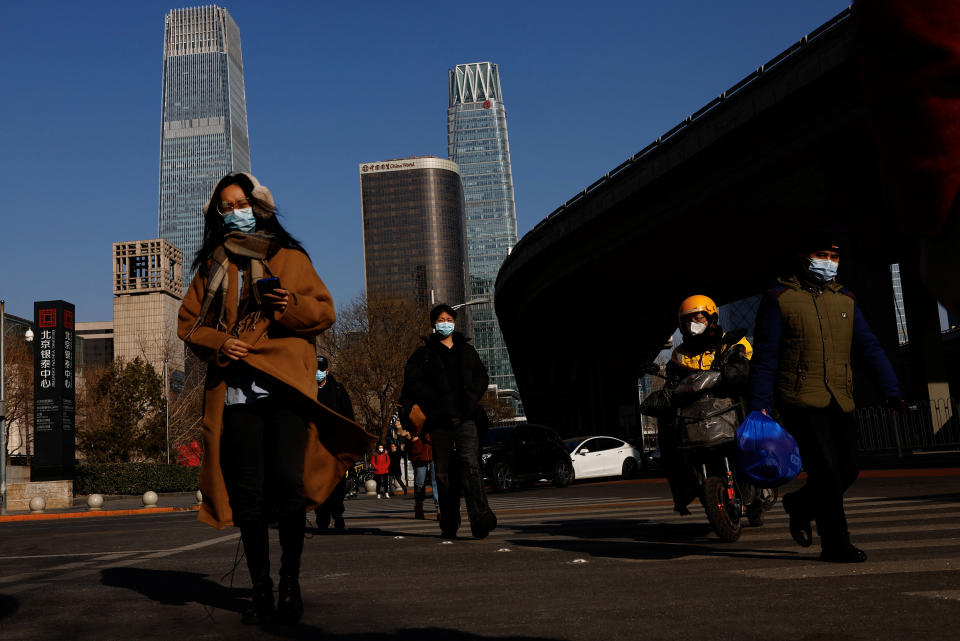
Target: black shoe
x: 800, y: 528
x: 261, y: 609
x: 484, y: 525
x: 289, y: 601
x: 682, y: 510
x: 338, y: 523
x: 846, y: 554
x: 323, y: 521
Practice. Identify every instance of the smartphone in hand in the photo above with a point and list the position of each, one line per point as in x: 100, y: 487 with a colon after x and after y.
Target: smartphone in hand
x: 267, y: 285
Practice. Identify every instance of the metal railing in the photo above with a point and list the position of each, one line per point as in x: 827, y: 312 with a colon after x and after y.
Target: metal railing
x: 926, y: 426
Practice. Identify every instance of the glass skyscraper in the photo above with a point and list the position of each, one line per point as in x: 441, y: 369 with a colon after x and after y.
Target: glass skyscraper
x: 413, y: 247
x: 204, y: 119
x: 477, y: 142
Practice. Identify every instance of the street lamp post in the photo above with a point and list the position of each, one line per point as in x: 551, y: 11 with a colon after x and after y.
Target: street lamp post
x: 166, y: 406
x: 475, y: 301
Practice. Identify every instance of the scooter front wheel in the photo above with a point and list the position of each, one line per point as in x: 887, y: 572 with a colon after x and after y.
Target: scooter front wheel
x: 722, y: 510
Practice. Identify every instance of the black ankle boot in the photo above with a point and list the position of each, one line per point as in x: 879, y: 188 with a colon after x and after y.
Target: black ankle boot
x: 261, y: 609
x: 289, y: 601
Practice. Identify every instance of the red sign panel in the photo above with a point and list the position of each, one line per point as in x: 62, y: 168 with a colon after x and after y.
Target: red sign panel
x: 68, y: 319
x: 48, y: 317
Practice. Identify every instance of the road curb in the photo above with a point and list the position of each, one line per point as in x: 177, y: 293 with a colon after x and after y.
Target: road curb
x: 55, y: 516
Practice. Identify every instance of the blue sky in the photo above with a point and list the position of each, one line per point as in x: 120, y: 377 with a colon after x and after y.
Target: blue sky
x: 330, y: 85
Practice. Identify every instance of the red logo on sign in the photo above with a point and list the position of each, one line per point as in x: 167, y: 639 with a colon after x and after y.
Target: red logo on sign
x: 487, y: 104
x: 48, y: 317
x: 67, y: 319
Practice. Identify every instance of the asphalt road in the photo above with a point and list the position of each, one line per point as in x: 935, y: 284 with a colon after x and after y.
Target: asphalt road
x: 597, y: 561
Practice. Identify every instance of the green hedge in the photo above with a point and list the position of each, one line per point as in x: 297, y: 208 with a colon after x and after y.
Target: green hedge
x: 135, y: 478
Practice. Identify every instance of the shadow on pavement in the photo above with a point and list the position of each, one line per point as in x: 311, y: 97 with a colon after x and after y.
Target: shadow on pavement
x: 651, y: 540
x: 312, y: 633
x: 8, y: 606
x: 183, y: 588
x: 176, y: 588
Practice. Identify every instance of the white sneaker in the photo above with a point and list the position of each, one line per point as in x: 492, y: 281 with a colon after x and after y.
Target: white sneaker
x: 378, y: 496
x: 386, y: 496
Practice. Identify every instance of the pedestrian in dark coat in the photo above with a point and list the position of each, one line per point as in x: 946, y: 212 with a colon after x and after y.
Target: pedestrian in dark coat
x: 332, y: 394
x: 446, y: 379
x: 395, y: 471
x: 808, y: 327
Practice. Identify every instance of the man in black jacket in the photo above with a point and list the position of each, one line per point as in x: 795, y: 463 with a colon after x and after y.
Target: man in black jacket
x: 446, y: 379
x: 334, y: 395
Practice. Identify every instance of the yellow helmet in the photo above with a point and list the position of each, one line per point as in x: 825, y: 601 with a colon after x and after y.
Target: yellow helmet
x: 697, y: 303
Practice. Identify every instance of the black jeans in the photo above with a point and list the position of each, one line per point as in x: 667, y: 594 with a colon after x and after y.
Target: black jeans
x: 827, y: 439
x: 261, y: 456
x: 383, y: 484
x: 456, y: 461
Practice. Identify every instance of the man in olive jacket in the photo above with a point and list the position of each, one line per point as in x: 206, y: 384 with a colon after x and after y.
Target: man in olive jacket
x: 807, y: 327
x: 446, y: 378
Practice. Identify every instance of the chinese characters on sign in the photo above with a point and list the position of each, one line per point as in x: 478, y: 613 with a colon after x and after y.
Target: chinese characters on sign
x: 54, y: 408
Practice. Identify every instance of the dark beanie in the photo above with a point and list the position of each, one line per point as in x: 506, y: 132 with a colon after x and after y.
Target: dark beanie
x: 439, y: 309
x: 819, y: 240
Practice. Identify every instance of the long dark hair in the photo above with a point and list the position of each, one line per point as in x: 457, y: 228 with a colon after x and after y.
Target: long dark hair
x: 266, y: 214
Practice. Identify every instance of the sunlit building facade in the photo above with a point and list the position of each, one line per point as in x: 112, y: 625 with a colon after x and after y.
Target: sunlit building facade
x: 413, y: 235
x: 204, y: 119
x: 477, y: 141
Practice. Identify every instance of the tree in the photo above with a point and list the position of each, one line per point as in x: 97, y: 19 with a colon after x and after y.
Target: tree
x: 499, y: 409
x: 123, y: 414
x: 368, y: 347
x: 19, y: 394
x: 186, y: 405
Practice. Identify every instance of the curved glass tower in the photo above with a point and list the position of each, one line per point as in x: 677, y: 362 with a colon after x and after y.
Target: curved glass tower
x: 204, y: 120
x: 477, y: 141
x: 413, y: 246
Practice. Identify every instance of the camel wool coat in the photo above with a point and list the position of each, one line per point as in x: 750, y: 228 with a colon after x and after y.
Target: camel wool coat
x: 284, y: 350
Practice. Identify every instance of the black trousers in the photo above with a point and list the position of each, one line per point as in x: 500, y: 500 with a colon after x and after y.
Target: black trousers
x: 456, y: 461
x: 333, y: 506
x: 383, y: 484
x: 827, y: 439
x: 682, y: 481
x: 261, y: 456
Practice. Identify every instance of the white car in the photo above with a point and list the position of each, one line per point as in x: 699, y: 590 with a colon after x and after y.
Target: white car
x: 598, y: 456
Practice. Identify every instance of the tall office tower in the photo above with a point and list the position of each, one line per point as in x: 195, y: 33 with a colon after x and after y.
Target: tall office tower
x: 477, y: 142
x: 204, y: 119
x: 413, y: 238
x: 147, y: 289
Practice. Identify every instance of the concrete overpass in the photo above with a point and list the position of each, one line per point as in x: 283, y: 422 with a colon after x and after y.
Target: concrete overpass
x: 709, y: 207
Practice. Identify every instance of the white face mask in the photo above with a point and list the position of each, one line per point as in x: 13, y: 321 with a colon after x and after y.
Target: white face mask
x: 695, y: 329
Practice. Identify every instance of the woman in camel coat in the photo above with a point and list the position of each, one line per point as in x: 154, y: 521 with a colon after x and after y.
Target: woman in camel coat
x: 269, y: 447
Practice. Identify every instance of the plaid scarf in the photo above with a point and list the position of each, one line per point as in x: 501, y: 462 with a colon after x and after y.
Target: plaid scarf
x: 255, y: 246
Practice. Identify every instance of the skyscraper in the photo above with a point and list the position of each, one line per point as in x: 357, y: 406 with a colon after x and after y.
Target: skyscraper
x: 413, y: 245
x: 204, y: 119
x: 477, y: 142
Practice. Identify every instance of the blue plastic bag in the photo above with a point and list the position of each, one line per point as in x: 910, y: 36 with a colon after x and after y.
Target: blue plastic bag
x: 768, y: 455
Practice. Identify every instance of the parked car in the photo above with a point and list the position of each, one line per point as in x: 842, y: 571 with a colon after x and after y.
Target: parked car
x: 524, y: 454
x: 599, y: 456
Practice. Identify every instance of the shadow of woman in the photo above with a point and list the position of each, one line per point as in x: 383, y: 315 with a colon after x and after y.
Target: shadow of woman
x: 8, y: 606
x: 176, y: 588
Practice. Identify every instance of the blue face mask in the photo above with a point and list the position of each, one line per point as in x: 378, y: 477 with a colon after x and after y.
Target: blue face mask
x: 321, y: 375
x: 241, y: 220
x: 444, y: 329
x: 822, y: 270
